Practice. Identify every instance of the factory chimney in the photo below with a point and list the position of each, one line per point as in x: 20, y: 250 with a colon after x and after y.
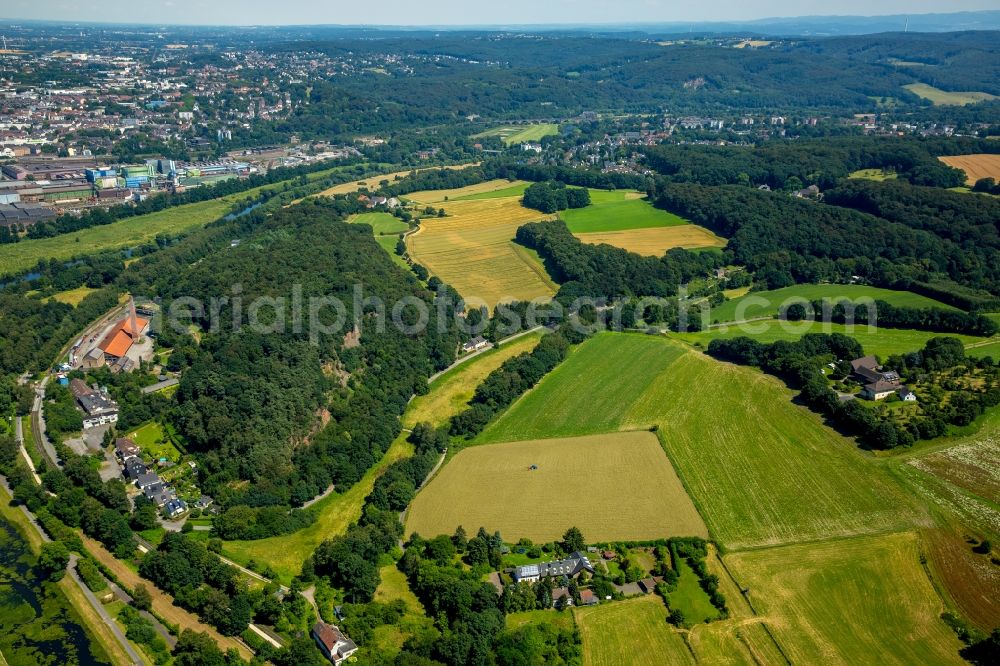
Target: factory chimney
x: 133, y: 323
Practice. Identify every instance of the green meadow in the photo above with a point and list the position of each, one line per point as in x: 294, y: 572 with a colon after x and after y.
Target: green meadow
x: 760, y: 469
x: 881, y: 341
x: 515, y: 190
x: 617, y: 210
x: 766, y: 303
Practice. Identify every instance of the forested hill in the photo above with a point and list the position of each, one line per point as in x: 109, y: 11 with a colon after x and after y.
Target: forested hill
x: 252, y: 402
x: 790, y: 240
x: 502, y: 76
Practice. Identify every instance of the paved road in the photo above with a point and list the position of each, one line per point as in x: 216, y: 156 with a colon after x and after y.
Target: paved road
x: 169, y: 638
x: 490, y: 346
x: 105, y: 617
x: 38, y: 419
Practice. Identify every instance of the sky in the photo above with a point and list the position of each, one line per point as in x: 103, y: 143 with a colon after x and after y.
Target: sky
x: 461, y: 12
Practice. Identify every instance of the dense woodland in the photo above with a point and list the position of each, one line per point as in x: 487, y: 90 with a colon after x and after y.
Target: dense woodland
x: 506, y: 76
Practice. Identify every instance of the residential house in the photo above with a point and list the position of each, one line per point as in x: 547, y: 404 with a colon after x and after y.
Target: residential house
x: 159, y: 494
x: 570, y: 567
x: 879, y: 390
x: 868, y: 371
x: 134, y: 468
x: 148, y: 480
x: 174, y: 508
x: 906, y: 395
x: 647, y: 585
x: 332, y: 642
x: 475, y: 344
x: 126, y: 449
x: 588, y: 598
x: 561, y: 597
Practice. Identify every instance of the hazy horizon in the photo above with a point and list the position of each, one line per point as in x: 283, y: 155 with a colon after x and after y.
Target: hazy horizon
x: 460, y: 13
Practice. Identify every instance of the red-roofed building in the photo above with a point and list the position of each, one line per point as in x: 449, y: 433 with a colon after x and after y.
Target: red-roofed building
x: 332, y: 642
x: 122, y: 336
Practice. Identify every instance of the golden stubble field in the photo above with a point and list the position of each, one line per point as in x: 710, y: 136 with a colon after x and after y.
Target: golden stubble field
x: 654, y: 242
x: 975, y: 167
x: 618, y: 486
x: 473, y: 248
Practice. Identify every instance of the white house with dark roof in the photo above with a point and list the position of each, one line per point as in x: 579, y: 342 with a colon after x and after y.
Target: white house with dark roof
x: 570, y: 567
x: 333, y: 643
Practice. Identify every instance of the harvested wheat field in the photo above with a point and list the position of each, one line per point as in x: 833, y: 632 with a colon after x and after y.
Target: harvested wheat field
x: 473, y: 249
x: 975, y: 167
x: 583, y: 481
x: 656, y: 241
x: 499, y: 187
x: 372, y: 182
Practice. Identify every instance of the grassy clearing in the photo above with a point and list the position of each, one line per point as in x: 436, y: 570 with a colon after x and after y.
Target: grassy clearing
x: 689, y: 598
x: 975, y: 167
x: 655, y: 242
x: 761, y: 470
x: 382, y: 224
x: 589, y: 392
x: 155, y: 442
x: 450, y: 392
x: 623, y: 218
x: 878, y: 175
x: 630, y: 633
x: 768, y: 303
x: 616, y: 211
x: 515, y: 134
x: 473, y: 250
x: 563, y: 620
x: 393, y: 586
x: 583, y: 481
x: 944, y: 98
x: 881, y: 341
x: 852, y: 601
x: 72, y: 296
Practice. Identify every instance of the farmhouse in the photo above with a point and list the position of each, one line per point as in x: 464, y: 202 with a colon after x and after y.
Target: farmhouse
x: 99, y: 409
x: 879, y: 390
x: 475, y: 344
x: 332, y: 642
x: 570, y: 567
x: 867, y: 370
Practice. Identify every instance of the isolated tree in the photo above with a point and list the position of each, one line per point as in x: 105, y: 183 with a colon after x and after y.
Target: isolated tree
x: 141, y: 598
x: 53, y: 560
x: 573, y: 540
